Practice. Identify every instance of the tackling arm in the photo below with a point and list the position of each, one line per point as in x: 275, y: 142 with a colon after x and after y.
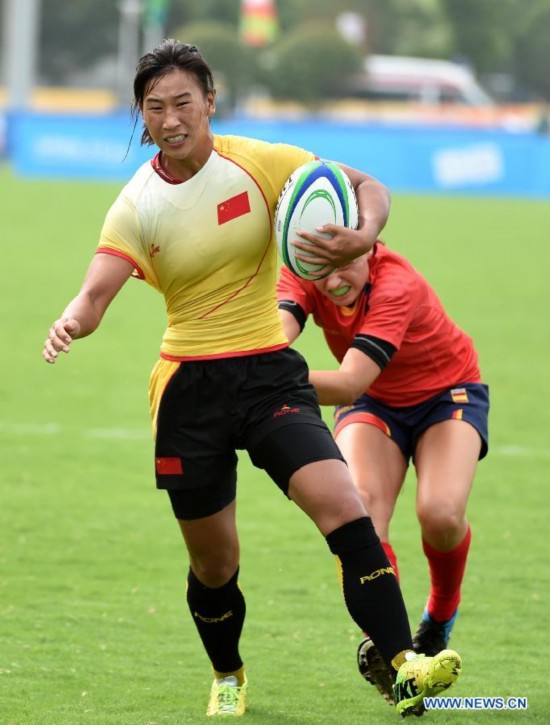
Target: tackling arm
x: 291, y: 326
x: 343, y: 386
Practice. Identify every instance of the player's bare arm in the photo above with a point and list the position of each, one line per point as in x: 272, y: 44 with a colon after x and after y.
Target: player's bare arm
x: 343, y: 245
x: 290, y: 325
x: 343, y: 386
x: 104, y: 278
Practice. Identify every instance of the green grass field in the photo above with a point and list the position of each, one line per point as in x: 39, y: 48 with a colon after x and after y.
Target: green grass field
x: 94, y: 626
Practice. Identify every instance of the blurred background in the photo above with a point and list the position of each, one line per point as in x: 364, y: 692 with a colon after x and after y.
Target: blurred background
x: 427, y: 95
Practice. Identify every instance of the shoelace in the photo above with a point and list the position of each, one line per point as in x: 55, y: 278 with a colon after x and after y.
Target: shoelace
x: 228, y: 696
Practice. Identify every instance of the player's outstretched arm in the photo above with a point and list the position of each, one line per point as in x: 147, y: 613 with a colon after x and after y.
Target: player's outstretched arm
x: 105, y: 277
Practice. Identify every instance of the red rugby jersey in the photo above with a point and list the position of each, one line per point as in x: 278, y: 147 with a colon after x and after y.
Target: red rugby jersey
x: 399, y: 306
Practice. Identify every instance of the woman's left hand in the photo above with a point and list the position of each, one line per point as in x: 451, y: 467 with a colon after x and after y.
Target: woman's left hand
x: 334, y: 245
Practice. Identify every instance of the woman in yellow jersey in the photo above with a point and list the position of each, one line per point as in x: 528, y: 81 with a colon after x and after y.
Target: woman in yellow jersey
x: 197, y: 224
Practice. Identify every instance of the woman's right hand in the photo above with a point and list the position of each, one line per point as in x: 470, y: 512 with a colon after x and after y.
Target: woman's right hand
x: 60, y: 336
x: 104, y: 278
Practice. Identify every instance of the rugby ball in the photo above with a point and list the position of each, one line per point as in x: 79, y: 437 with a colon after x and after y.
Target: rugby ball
x: 316, y: 193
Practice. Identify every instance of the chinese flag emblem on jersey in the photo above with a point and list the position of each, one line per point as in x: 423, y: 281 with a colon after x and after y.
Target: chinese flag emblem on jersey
x: 233, y: 208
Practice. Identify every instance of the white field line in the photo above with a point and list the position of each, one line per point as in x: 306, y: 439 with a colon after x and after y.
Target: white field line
x: 54, y: 429
x: 44, y: 430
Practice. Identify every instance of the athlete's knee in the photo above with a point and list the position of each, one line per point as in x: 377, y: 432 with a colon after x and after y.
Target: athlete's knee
x: 439, y: 520
x: 214, y: 572
x: 214, y: 566
x: 330, y: 515
x: 377, y: 508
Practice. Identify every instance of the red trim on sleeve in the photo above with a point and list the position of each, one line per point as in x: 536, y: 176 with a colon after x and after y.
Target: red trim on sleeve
x: 106, y: 250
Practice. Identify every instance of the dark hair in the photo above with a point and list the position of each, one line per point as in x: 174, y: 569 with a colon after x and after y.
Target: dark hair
x: 167, y: 56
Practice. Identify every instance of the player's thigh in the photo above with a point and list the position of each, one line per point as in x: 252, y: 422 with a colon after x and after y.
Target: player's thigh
x: 213, y: 545
x: 377, y: 467
x: 304, y: 461
x: 446, y: 457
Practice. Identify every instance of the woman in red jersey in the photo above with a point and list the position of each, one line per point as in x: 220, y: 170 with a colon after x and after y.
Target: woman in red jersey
x: 196, y: 223
x: 408, y: 387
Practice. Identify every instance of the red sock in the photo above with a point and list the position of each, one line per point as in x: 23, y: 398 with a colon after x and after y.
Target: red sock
x: 446, y: 574
x: 392, y: 558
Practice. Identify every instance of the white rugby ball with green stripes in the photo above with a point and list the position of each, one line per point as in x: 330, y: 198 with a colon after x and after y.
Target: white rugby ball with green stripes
x: 317, y: 193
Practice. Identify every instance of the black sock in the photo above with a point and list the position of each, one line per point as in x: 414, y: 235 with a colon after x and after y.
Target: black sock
x: 219, y: 617
x: 371, y: 589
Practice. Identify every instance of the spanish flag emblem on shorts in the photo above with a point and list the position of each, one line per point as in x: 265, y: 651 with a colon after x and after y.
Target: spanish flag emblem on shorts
x: 459, y: 395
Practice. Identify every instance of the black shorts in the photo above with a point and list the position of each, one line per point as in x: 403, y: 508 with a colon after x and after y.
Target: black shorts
x: 210, y: 408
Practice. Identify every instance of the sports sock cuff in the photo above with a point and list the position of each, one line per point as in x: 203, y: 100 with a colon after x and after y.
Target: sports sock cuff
x: 352, y: 536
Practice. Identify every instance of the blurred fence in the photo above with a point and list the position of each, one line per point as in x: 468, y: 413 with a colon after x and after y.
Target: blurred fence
x: 414, y: 159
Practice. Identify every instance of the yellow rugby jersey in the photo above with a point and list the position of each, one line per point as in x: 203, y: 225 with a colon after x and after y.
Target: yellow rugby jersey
x: 207, y: 245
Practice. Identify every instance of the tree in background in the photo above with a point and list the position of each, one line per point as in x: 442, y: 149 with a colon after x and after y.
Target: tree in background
x: 74, y: 36
x: 532, y: 49
x: 312, y: 62
x: 511, y: 36
x: 183, y: 12
x: 230, y: 60
x: 483, y: 32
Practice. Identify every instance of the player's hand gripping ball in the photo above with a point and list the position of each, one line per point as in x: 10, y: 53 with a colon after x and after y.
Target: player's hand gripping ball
x: 316, y: 193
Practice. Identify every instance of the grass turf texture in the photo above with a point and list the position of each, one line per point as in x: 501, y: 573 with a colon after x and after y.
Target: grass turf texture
x: 94, y: 627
